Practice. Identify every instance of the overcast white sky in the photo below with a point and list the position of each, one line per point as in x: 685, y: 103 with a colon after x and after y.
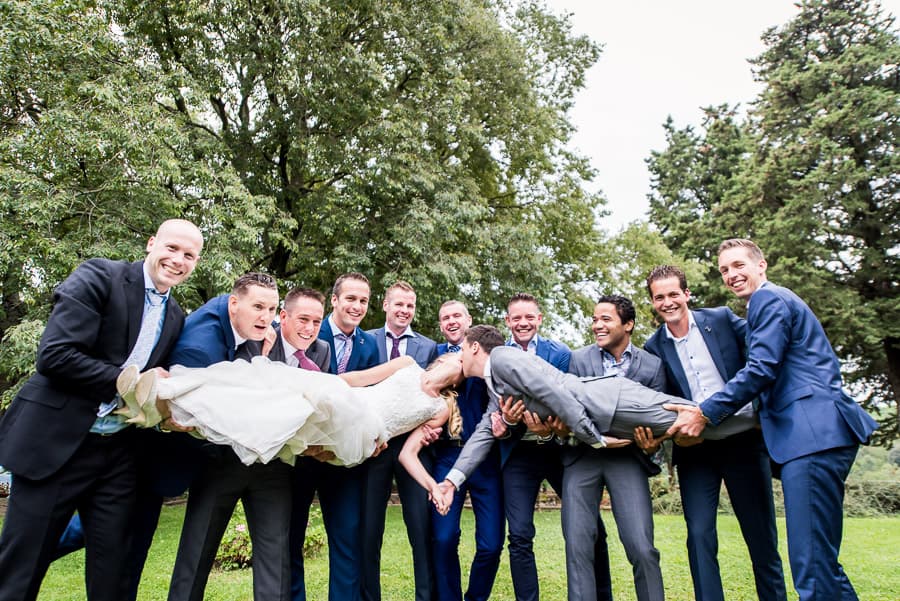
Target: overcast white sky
x: 660, y: 58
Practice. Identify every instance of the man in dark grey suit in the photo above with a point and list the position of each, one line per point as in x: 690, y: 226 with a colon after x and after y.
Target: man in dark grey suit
x: 297, y: 345
x: 398, y: 338
x: 623, y: 471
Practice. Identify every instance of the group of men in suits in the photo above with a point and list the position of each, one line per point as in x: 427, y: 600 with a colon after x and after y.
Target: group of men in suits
x: 550, y: 409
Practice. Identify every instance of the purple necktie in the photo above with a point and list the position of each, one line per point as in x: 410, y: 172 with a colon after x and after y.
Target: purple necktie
x: 395, y: 348
x: 348, y: 348
x: 305, y: 362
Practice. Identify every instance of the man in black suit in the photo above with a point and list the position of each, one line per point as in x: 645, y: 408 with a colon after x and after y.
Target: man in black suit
x: 60, y: 437
x: 298, y: 346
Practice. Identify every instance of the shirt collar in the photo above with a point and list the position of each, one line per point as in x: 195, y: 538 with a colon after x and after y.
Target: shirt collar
x: 238, y: 339
x: 692, y: 324
x: 532, y: 344
x: 627, y: 353
x: 148, y: 283
x: 289, y: 349
x: 335, y: 330
x: 487, y: 368
x: 407, y: 333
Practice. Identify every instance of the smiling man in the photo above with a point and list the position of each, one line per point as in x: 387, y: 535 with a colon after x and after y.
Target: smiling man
x: 60, y: 438
x: 623, y: 471
x: 395, y: 339
x: 811, y: 427
x: 701, y: 350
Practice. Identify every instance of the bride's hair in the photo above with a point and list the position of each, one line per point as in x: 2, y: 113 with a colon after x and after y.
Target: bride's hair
x: 449, y: 394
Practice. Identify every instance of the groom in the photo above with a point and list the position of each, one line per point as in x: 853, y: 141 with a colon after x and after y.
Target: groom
x: 589, y: 406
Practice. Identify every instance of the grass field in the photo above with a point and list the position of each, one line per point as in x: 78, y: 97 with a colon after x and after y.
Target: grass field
x: 870, y: 555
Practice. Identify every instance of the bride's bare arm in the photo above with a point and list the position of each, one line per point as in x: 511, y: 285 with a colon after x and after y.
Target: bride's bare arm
x: 373, y: 375
x: 409, y: 458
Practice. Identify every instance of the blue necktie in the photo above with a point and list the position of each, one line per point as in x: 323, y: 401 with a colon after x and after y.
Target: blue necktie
x: 453, y: 348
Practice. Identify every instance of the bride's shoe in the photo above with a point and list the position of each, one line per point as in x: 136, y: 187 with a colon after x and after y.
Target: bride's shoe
x: 145, y: 394
x: 125, y: 386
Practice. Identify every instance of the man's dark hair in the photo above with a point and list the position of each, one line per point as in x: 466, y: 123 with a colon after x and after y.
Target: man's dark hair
x: 522, y: 297
x: 624, y: 306
x: 253, y: 278
x: 298, y: 293
x: 664, y: 272
x: 353, y: 275
x: 487, y: 337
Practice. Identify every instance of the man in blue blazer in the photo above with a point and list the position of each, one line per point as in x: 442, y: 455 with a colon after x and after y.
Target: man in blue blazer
x: 225, y: 328
x: 622, y: 471
x: 484, y: 485
x: 60, y: 438
x: 709, y: 344
x: 398, y: 338
x: 351, y: 349
x: 812, y: 429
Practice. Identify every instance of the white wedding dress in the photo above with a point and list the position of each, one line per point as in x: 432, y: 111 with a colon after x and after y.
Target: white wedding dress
x: 265, y: 409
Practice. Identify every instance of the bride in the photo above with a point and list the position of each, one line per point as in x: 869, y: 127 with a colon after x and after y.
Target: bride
x: 267, y: 410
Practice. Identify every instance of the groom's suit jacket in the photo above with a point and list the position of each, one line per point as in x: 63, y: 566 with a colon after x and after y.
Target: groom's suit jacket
x: 796, y: 374
x: 94, y: 324
x: 420, y: 348
x: 522, y: 375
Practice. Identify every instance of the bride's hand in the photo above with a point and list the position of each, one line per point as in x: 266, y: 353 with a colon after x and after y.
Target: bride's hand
x: 439, y: 498
x: 379, y: 447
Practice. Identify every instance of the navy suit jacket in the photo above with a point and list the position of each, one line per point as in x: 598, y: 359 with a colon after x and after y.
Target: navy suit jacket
x: 96, y: 318
x: 207, y: 337
x: 364, y: 353
x: 420, y: 348
x: 556, y: 354
x: 796, y: 374
x: 725, y: 336
x: 472, y: 399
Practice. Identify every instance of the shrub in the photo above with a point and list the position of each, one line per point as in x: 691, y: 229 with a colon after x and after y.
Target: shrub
x: 236, y: 552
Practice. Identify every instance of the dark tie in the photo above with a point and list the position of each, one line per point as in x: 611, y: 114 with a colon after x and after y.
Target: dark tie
x: 453, y: 348
x: 395, y: 348
x: 305, y: 362
x: 348, y: 348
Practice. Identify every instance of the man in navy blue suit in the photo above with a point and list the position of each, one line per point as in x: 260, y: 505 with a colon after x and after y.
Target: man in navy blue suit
x: 702, y: 349
x: 811, y: 427
x: 228, y: 327
x: 341, y: 488
x: 398, y: 338
x: 60, y: 437
x: 483, y: 485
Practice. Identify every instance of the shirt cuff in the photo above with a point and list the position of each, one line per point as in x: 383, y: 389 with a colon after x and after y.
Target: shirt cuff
x: 600, y: 444
x: 456, y: 477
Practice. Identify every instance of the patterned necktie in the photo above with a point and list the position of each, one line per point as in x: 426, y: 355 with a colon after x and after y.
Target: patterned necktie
x: 345, y: 356
x: 395, y: 348
x: 453, y: 348
x: 150, y: 326
x: 154, y: 303
x: 306, y: 362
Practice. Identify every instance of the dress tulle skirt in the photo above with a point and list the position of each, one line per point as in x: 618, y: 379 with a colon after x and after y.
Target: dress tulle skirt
x: 266, y: 410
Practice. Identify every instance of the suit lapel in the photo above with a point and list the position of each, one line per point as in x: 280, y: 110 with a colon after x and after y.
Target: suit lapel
x: 635, y: 367
x: 712, y: 343
x: 674, y: 363
x: 133, y: 287
x: 596, y: 358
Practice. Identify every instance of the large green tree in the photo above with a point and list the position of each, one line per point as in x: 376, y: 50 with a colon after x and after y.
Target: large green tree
x: 821, y: 191
x: 416, y: 140
x: 423, y: 140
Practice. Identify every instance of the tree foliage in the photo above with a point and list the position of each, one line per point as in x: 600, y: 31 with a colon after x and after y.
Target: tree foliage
x: 415, y: 140
x: 816, y: 183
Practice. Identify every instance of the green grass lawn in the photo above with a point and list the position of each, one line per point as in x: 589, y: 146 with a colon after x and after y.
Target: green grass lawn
x: 870, y: 556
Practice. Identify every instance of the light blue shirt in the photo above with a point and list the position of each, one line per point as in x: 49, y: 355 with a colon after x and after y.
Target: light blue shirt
x: 339, y: 344
x: 532, y: 344
x: 702, y: 374
x: 110, y: 423
x: 611, y: 367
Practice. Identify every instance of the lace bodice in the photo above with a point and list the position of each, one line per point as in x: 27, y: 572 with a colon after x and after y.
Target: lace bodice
x: 400, y: 402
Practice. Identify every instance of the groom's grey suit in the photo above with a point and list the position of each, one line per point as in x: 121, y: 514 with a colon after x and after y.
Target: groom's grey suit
x: 589, y: 406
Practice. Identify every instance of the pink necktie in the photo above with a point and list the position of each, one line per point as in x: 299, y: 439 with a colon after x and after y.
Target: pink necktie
x: 305, y: 362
